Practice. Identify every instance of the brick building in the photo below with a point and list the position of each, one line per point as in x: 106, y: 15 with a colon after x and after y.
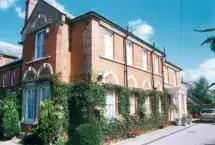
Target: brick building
x: 55, y: 42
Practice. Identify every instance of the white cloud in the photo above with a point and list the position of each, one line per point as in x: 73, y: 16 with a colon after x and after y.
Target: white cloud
x: 5, y: 4
x: 206, y: 69
x: 20, y: 12
x: 60, y: 7
x: 10, y: 49
x: 141, y: 29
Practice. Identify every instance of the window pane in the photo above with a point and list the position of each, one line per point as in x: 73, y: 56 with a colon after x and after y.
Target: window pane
x: 109, y: 45
x: 145, y: 60
x: 110, y: 104
x: 129, y: 52
x: 39, y: 45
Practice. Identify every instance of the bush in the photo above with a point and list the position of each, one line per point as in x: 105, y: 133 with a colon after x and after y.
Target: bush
x: 31, y: 139
x: 10, y: 119
x: 87, y: 134
x: 50, y: 126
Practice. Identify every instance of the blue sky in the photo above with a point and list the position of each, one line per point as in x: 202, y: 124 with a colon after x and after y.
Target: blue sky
x: 142, y: 17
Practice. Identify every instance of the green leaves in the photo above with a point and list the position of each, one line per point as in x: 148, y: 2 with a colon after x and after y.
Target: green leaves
x: 10, y: 119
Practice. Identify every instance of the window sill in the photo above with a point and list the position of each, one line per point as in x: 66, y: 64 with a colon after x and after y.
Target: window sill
x: 113, y: 60
x: 29, y: 122
x: 40, y: 59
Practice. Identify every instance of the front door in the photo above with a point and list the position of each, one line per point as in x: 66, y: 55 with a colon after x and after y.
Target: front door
x: 30, y: 105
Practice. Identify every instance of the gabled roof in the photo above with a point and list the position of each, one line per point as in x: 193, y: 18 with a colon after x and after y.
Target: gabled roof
x: 10, y: 50
x: 52, y: 4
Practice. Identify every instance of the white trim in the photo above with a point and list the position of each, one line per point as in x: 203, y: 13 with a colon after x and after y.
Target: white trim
x: 44, y: 66
x: 38, y: 45
x: 4, y: 78
x: 30, y: 69
x: 13, y: 75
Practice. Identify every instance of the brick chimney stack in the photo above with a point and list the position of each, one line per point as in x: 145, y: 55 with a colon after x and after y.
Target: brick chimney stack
x: 30, y: 4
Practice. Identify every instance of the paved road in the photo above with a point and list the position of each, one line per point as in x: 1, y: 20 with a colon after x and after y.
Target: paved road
x: 200, y: 134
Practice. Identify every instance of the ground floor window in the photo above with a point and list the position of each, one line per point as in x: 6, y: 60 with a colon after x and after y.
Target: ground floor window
x: 30, y: 105
x: 32, y: 99
x: 110, y: 104
x: 133, y: 105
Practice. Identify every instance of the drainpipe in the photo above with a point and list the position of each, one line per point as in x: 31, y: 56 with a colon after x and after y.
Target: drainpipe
x: 153, y: 85
x: 126, y: 63
x: 162, y: 65
x: 86, y: 56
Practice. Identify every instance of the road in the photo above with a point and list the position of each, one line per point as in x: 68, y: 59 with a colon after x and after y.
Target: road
x: 197, y: 134
x: 200, y: 134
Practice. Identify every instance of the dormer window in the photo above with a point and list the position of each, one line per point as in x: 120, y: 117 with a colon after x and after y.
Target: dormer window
x: 39, y: 45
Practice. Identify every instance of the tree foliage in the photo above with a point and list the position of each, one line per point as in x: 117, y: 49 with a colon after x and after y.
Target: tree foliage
x: 200, y: 89
x: 10, y: 119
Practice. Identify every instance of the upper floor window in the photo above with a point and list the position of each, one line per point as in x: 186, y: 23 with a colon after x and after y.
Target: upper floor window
x: 12, y: 80
x: 39, y: 45
x: 145, y: 60
x: 174, y: 78
x: 108, y: 44
x: 110, y: 104
x: 129, y: 50
x: 166, y: 75
x: 156, y: 64
x: 4, y: 77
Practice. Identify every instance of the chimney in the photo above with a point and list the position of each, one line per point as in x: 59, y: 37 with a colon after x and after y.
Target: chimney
x: 30, y: 4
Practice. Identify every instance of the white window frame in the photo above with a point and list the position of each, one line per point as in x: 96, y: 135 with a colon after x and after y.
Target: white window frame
x: 129, y: 51
x: 166, y: 80
x: 109, y: 44
x: 13, y: 77
x: 145, y: 60
x: 4, y: 78
x: 47, y: 88
x: 133, y: 104
x: 27, y: 119
x: 110, y: 104
x: 39, y: 46
x: 147, y: 105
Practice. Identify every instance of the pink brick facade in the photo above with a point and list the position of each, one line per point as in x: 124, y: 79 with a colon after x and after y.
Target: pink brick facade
x: 74, y: 49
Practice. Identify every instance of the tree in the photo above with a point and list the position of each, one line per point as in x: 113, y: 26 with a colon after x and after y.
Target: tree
x: 200, y: 89
x: 210, y: 40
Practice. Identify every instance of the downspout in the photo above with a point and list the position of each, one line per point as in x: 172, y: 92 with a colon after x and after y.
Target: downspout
x: 153, y: 85
x: 86, y: 56
x: 126, y: 63
x: 162, y: 65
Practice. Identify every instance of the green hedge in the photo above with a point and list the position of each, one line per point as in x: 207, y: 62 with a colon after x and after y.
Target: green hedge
x: 10, y: 118
x: 87, y: 134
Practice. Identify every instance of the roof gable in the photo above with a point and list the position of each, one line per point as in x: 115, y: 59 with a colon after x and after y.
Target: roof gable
x: 43, y: 14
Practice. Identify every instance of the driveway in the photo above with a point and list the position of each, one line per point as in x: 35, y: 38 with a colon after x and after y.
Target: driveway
x: 198, y: 134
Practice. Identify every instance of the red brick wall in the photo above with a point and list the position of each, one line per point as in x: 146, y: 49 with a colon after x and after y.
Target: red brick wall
x: 8, y: 79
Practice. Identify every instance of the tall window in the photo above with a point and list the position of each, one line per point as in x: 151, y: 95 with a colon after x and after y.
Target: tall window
x: 12, y: 79
x: 156, y: 64
x: 174, y: 78
x: 39, y: 45
x: 44, y: 93
x: 4, y: 77
x: 110, y: 104
x: 145, y: 60
x: 129, y: 51
x: 30, y: 105
x: 166, y: 75
x: 147, y: 105
x: 132, y: 105
x: 108, y: 44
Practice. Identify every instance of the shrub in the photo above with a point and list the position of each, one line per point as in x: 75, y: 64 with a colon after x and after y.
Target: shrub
x: 50, y: 126
x: 87, y: 134
x: 32, y: 139
x: 10, y: 119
